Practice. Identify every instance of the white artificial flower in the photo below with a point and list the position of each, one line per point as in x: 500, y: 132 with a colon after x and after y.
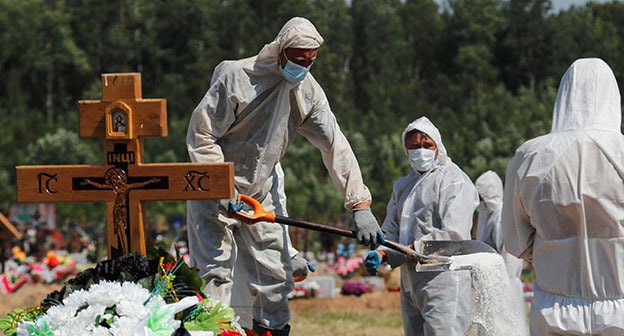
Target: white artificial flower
x: 154, y: 302
x: 85, y: 319
x: 134, y: 292
x: 100, y: 331
x: 60, y: 315
x: 124, y: 326
x: 76, y: 299
x: 105, y: 293
x: 131, y: 308
x: 134, y: 310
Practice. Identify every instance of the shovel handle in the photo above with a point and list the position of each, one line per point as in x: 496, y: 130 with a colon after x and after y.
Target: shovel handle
x: 259, y: 214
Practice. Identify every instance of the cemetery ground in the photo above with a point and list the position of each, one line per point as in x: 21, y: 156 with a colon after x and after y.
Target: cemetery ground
x: 375, y: 313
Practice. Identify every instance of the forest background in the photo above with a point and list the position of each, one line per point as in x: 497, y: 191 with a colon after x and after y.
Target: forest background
x: 485, y: 72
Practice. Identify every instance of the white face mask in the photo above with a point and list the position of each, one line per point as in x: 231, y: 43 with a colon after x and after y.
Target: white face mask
x: 421, y: 159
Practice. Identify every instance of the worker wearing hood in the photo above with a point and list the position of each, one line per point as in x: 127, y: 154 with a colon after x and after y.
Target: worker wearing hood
x: 250, y: 116
x: 435, y: 201
x: 564, y: 208
x: 489, y: 230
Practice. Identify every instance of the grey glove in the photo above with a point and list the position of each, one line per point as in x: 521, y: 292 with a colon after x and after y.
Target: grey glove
x: 367, y: 230
x: 300, y: 267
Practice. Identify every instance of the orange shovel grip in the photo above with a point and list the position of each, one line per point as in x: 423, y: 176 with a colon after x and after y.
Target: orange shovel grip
x: 259, y: 214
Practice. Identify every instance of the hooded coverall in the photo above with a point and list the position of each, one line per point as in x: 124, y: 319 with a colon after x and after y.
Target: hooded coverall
x: 563, y: 208
x: 250, y: 116
x: 434, y: 205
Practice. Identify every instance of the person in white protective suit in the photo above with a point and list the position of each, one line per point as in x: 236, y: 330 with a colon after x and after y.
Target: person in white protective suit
x: 489, y: 230
x: 250, y: 116
x: 564, y: 208
x: 435, y: 201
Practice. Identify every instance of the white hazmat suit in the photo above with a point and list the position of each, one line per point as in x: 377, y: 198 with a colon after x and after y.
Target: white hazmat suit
x: 490, y: 231
x: 434, y: 205
x: 564, y: 208
x: 250, y: 116
x: 489, y: 228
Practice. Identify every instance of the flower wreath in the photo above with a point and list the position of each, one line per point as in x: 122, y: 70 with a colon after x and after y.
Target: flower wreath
x: 155, y: 295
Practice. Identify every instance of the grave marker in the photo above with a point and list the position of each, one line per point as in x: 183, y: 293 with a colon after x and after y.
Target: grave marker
x: 121, y: 118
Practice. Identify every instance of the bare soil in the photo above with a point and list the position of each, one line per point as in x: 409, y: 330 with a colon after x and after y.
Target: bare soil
x: 369, y: 302
x: 29, y: 295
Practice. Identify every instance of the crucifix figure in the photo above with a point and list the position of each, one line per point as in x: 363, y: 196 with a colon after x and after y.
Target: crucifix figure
x: 122, y: 117
x: 117, y: 181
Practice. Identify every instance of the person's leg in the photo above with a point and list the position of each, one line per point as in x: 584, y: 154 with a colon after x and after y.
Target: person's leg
x: 269, y: 272
x: 413, y: 323
x: 267, y: 253
x: 212, y: 248
x: 446, y: 303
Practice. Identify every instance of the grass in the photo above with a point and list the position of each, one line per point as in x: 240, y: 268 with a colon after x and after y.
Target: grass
x: 367, y: 323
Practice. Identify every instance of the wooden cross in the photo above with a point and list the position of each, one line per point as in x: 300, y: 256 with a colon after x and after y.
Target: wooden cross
x: 121, y: 118
x: 8, y: 232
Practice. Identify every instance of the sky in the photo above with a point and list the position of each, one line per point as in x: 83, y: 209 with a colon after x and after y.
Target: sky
x: 565, y: 4
x: 558, y: 4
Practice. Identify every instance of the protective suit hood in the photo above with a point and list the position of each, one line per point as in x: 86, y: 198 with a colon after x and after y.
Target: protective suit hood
x: 588, y: 98
x: 251, y: 114
x: 298, y: 32
x: 425, y: 125
x: 490, y: 188
x: 434, y: 205
x: 563, y: 207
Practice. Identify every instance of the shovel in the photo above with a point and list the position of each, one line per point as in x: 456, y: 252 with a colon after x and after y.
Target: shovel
x: 449, y: 248
x: 261, y: 215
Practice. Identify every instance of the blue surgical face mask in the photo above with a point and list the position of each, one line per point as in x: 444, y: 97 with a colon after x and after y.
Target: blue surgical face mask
x: 421, y: 159
x: 294, y: 72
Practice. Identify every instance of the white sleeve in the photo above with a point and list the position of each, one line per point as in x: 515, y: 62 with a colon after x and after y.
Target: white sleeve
x: 391, y: 229
x: 489, y: 231
x: 458, y: 200
x: 518, y: 233
x: 322, y: 130
x: 209, y: 121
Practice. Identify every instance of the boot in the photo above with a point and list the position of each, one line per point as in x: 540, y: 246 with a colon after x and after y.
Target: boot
x: 260, y: 330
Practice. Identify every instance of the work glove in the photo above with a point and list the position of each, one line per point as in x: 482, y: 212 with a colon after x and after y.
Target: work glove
x: 372, y: 261
x: 367, y: 231
x: 230, y: 204
x: 300, y: 267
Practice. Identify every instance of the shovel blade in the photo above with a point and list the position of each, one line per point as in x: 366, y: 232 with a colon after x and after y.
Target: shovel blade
x: 449, y: 248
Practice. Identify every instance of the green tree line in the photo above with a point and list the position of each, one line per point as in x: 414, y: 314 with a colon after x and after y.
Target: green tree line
x: 484, y: 71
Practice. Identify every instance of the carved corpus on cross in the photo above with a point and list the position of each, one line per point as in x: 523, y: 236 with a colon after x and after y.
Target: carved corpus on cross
x: 121, y: 118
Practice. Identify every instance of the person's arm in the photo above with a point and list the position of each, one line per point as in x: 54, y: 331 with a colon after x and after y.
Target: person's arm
x: 518, y: 233
x: 209, y: 121
x: 487, y: 231
x: 323, y: 132
x: 457, y: 202
x: 391, y: 230
x: 497, y: 231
